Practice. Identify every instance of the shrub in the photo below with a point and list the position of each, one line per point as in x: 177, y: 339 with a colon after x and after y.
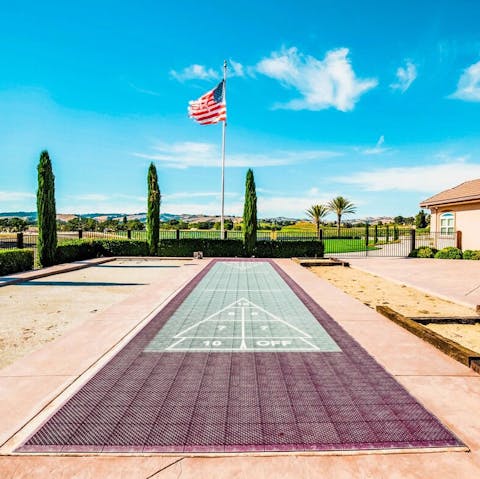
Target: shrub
x: 235, y: 248
x: 471, y: 254
x: 423, y: 252
x: 75, y: 250
x: 426, y: 252
x: 122, y: 247
x: 449, y: 253
x: 15, y: 261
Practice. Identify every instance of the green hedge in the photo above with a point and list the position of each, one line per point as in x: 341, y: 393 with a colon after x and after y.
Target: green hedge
x: 449, y: 253
x: 209, y: 247
x: 423, y: 252
x: 471, y: 254
x: 15, y: 261
x: 289, y: 249
x: 235, y: 248
x: 76, y: 250
x: 122, y: 248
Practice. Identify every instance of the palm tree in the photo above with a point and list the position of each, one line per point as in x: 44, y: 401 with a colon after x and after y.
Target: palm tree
x: 341, y: 206
x: 316, y: 213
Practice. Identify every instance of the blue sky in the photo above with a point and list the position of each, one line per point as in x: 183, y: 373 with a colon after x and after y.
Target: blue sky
x: 376, y: 101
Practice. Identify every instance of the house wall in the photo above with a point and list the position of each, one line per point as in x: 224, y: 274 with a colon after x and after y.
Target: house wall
x: 467, y: 220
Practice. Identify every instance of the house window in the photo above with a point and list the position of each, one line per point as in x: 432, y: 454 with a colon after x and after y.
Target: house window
x: 447, y: 221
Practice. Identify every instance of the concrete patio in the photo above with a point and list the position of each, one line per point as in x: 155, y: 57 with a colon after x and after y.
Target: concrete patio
x: 35, y: 385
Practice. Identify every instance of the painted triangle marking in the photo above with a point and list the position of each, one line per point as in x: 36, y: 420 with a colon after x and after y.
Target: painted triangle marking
x: 242, y: 304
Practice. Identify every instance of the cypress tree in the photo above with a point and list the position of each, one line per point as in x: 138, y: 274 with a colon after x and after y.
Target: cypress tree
x: 153, y: 211
x: 250, y: 214
x: 46, y: 212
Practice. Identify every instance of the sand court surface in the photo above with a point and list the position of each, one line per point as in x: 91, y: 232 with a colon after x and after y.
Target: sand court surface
x: 36, y: 312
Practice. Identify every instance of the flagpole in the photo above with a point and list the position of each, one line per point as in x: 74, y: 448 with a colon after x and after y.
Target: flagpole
x: 222, y: 222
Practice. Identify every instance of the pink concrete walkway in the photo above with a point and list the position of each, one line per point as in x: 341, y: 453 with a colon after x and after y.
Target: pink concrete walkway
x: 448, y: 389
x: 51, y: 270
x: 454, y: 280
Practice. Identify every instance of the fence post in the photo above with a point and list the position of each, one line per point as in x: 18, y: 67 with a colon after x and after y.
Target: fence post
x: 366, y: 237
x: 375, y: 234
x: 80, y: 233
x: 458, y: 239
x: 129, y: 234
x: 177, y: 234
x: 412, y: 239
x: 225, y: 234
x: 20, y: 240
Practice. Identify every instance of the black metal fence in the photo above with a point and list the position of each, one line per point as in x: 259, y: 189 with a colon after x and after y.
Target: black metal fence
x: 365, y: 241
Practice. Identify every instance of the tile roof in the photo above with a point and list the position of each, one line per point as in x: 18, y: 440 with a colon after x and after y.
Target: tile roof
x: 468, y: 191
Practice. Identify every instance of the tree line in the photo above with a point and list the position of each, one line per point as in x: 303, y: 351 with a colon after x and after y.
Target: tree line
x: 341, y: 206
x: 47, y: 222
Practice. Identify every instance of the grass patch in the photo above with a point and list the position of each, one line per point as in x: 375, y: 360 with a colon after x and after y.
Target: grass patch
x: 345, y: 246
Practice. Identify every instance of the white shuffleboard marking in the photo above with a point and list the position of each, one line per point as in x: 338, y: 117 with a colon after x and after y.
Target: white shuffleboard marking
x: 314, y: 346
x: 177, y: 342
x: 243, y: 344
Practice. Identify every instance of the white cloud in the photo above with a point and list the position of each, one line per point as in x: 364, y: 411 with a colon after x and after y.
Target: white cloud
x: 278, y: 204
x: 101, y: 202
x: 327, y: 83
x: 9, y: 196
x: 91, y: 197
x: 425, y: 179
x: 187, y: 154
x: 405, y: 77
x: 143, y: 90
x: 195, y: 194
x: 236, y: 69
x: 106, y: 197
x: 294, y: 206
x: 201, y: 72
x: 377, y: 149
x: 468, y: 87
x: 195, y: 72
x: 210, y: 208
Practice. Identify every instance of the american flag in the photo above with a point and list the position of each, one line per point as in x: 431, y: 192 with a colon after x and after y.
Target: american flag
x: 209, y: 108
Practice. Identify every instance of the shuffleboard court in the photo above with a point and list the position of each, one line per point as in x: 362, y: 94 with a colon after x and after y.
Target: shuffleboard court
x: 241, y: 360
x: 242, y: 306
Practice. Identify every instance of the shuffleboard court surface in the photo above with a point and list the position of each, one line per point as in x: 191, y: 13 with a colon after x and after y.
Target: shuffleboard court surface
x: 242, y: 306
x: 241, y: 360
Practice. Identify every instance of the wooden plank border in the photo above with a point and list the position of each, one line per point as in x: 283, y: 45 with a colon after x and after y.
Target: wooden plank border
x: 456, y: 351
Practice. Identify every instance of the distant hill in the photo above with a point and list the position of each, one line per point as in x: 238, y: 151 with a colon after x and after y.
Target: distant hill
x: 24, y: 215
x: 31, y: 216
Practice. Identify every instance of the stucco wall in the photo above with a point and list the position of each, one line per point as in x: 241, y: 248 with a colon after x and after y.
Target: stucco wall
x: 467, y: 220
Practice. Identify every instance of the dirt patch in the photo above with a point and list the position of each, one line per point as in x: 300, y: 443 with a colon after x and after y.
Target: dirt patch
x: 39, y: 311
x: 373, y: 290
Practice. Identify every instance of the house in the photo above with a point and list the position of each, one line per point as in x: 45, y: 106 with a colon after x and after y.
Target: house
x: 457, y: 209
